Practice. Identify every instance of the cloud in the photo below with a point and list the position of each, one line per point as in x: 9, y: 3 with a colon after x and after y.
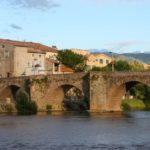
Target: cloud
x: 34, y: 4
x: 16, y: 27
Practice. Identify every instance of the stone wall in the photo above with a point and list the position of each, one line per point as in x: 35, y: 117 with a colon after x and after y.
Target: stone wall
x: 50, y: 90
x: 108, y: 89
x: 104, y: 91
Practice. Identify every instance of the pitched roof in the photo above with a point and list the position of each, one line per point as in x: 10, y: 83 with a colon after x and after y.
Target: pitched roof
x: 64, y: 68
x: 101, y: 55
x: 33, y: 45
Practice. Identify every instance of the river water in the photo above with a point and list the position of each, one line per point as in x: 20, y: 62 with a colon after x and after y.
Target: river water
x: 75, y: 131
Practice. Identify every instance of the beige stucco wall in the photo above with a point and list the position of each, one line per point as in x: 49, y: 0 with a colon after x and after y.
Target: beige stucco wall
x: 6, y: 60
x: 51, y: 55
x: 80, y: 51
x: 98, y: 60
x: 50, y: 63
x: 17, y: 61
x: 24, y: 62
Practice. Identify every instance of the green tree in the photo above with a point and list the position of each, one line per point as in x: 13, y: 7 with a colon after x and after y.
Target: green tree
x: 75, y: 61
x: 23, y: 104
x: 122, y: 65
x: 142, y: 92
x: 106, y: 69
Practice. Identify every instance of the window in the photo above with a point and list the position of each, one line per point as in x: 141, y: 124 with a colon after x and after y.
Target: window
x: 6, y: 54
x: 28, y: 64
x: 107, y: 61
x: 39, y: 56
x: 32, y: 63
x: 32, y: 55
x: 3, y: 46
x: 56, y: 67
x: 101, y: 61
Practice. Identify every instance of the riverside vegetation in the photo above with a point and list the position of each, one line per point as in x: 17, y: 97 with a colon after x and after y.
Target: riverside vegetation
x: 141, y: 100
x: 24, y: 105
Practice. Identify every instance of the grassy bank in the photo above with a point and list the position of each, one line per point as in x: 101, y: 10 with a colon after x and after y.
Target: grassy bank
x: 133, y: 104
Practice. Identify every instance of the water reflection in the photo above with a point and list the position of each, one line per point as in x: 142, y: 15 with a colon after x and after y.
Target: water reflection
x: 76, y: 131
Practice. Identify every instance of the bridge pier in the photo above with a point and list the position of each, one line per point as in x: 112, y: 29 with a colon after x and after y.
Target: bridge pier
x: 98, y: 93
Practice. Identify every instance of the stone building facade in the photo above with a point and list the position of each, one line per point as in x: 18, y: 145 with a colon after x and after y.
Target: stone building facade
x: 25, y: 58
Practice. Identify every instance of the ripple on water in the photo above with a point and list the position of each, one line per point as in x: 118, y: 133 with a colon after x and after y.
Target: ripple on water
x: 21, y: 146
x: 112, y: 131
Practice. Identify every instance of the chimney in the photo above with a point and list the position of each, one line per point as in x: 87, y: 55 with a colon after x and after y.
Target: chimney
x: 54, y: 46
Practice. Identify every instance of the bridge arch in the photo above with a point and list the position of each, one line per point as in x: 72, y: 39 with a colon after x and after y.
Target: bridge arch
x: 119, y: 91
x: 8, y: 93
x: 65, y: 92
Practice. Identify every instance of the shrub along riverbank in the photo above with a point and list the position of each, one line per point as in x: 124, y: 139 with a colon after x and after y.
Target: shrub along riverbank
x: 135, y: 104
x: 24, y: 105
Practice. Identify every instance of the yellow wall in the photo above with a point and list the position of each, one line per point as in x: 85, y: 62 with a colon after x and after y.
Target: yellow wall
x: 98, y: 60
x: 81, y: 52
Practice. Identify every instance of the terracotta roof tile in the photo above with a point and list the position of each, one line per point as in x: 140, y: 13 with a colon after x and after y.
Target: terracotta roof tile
x: 64, y: 68
x: 37, y: 46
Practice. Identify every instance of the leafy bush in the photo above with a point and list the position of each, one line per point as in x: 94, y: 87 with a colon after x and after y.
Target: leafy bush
x: 147, y: 104
x: 75, y: 61
x: 132, y: 104
x: 75, y: 105
x: 122, y: 65
x: 24, y: 105
x: 48, y: 107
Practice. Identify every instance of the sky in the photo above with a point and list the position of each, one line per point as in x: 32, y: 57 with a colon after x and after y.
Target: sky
x: 117, y: 25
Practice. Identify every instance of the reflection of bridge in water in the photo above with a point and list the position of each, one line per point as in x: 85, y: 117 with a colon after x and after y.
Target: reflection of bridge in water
x: 104, y: 91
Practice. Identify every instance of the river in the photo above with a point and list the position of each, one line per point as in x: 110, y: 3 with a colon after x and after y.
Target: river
x: 76, y: 131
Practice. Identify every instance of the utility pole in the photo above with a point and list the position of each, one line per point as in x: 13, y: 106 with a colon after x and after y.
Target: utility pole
x: 112, y: 62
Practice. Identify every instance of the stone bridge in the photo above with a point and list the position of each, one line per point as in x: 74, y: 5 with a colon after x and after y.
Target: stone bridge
x: 104, y: 91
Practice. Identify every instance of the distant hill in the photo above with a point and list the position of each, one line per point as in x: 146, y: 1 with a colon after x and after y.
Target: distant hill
x: 145, y: 57
x: 98, y: 50
x: 123, y: 57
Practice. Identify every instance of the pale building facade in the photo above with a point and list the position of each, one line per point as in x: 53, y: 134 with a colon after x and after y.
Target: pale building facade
x: 101, y: 60
x: 24, y: 58
x: 80, y: 51
x: 94, y: 59
x: 146, y: 66
x: 52, y: 64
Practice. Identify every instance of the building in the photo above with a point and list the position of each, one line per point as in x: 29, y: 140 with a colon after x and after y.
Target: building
x: 94, y: 59
x: 26, y: 58
x: 81, y: 52
x: 100, y: 60
x: 146, y: 66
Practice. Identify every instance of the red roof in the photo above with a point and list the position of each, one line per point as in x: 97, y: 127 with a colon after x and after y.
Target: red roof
x: 36, y: 46
x: 64, y: 68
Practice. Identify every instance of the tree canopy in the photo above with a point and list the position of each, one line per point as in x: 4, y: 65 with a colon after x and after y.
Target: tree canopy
x: 75, y: 61
x: 121, y: 65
